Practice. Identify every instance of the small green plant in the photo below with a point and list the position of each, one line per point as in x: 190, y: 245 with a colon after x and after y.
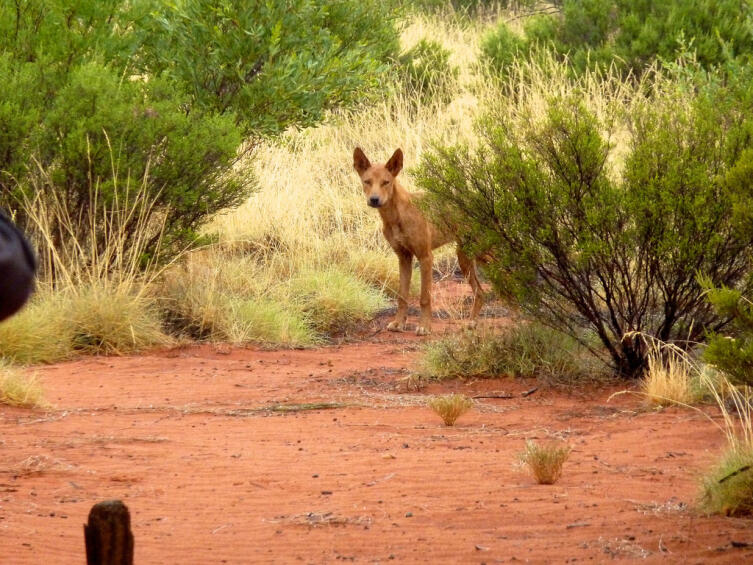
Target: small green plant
x: 732, y: 351
x: 450, y: 407
x: 18, y: 389
x: 634, y: 35
x: 545, y: 461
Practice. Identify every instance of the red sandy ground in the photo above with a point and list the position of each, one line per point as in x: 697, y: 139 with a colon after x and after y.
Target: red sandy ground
x: 183, y: 439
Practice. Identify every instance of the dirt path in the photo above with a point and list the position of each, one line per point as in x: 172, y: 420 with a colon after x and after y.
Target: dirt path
x: 194, y: 442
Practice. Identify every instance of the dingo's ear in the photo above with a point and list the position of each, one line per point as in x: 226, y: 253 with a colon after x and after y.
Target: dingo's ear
x: 395, y: 164
x: 360, y: 161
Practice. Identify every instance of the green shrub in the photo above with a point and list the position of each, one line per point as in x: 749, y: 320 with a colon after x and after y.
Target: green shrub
x: 501, y: 47
x: 426, y: 72
x: 527, y: 350
x: 470, y: 7
x: 271, y: 64
x: 268, y: 322
x: 585, y: 245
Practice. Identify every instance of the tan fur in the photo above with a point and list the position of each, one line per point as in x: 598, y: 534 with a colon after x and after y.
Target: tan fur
x: 410, y: 235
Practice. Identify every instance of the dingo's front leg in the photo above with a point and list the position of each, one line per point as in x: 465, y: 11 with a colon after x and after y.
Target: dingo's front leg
x: 406, y: 268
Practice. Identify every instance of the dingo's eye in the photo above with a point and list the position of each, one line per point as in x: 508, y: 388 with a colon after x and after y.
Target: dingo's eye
x: 367, y: 182
x: 385, y: 182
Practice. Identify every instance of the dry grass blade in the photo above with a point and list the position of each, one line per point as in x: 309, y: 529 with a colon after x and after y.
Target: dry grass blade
x: 545, y: 461
x: 450, y: 407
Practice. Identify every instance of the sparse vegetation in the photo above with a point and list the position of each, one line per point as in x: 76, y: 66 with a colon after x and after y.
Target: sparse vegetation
x: 545, y: 461
x: 450, y: 407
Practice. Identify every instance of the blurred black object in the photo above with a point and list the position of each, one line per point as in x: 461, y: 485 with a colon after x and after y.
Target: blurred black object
x: 17, y: 268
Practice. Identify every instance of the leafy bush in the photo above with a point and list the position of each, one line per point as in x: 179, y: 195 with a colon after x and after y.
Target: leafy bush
x: 471, y: 6
x: 586, y: 245
x: 271, y: 64
x: 426, y: 72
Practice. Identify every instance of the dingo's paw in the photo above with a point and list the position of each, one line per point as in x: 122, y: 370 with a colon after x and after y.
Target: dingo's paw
x: 422, y: 330
x: 396, y: 326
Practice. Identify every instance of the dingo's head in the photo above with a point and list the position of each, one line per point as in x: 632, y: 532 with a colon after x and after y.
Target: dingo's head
x: 378, y: 180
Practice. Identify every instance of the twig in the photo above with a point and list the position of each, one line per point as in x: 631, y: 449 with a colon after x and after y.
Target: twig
x: 529, y: 392
x: 501, y: 395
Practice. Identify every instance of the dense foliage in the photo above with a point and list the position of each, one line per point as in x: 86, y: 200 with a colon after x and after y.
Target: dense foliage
x: 104, y: 99
x: 632, y: 34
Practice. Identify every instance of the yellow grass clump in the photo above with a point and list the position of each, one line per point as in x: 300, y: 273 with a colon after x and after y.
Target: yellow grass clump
x: 670, y: 379
x: 450, y: 407
x: 20, y: 389
x: 545, y: 461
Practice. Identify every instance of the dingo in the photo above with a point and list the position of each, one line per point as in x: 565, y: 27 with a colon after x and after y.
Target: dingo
x: 410, y: 235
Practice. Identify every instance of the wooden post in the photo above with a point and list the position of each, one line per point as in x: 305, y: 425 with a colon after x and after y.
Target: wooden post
x: 108, y: 536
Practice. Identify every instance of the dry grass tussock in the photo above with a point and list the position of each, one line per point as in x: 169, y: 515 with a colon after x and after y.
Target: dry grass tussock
x: 18, y: 388
x: 93, y: 296
x: 671, y: 377
x: 450, y: 407
x: 545, y: 461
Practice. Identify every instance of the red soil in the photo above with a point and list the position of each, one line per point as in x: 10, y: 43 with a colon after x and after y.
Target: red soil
x: 187, y: 440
